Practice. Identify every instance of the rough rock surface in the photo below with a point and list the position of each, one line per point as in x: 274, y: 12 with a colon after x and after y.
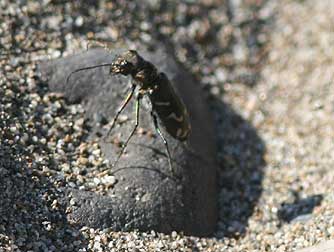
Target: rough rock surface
x: 146, y: 195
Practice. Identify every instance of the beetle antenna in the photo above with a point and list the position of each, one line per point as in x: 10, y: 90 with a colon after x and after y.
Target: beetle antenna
x: 85, y: 68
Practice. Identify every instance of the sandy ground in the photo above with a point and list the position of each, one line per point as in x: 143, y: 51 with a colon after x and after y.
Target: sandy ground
x: 267, y: 69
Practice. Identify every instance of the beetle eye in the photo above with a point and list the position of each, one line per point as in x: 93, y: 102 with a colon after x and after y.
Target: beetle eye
x: 126, y: 67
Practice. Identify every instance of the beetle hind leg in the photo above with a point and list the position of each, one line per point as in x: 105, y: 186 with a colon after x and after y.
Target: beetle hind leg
x: 157, y: 128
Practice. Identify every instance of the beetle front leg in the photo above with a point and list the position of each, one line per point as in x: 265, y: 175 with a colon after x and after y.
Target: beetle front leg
x: 132, y: 132
x: 121, y: 108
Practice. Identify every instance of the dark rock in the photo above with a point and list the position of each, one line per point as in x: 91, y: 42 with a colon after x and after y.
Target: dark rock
x: 300, y: 210
x: 147, y: 195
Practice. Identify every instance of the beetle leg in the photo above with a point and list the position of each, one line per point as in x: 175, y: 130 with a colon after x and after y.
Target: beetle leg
x: 121, y: 108
x: 156, y: 125
x: 132, y: 132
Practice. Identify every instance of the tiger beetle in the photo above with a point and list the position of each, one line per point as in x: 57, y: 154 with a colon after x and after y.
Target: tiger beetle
x: 165, y: 103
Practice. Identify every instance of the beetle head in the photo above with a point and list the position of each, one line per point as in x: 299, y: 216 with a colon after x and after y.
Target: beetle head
x: 125, y: 64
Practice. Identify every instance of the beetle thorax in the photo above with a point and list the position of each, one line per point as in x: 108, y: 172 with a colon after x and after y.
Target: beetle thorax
x: 143, y: 72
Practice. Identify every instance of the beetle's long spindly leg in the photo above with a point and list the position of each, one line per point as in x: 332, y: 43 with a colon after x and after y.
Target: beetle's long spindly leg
x: 121, y: 108
x: 156, y: 125
x: 139, y: 96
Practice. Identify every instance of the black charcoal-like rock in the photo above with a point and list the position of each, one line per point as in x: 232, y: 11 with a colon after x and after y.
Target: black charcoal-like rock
x: 147, y: 195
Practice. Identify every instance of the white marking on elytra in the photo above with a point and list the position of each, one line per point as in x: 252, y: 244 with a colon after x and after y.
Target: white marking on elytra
x: 177, y: 118
x: 178, y: 132
x: 185, y: 133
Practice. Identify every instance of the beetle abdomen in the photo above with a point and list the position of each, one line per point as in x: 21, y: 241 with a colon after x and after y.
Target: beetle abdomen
x: 170, y: 109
